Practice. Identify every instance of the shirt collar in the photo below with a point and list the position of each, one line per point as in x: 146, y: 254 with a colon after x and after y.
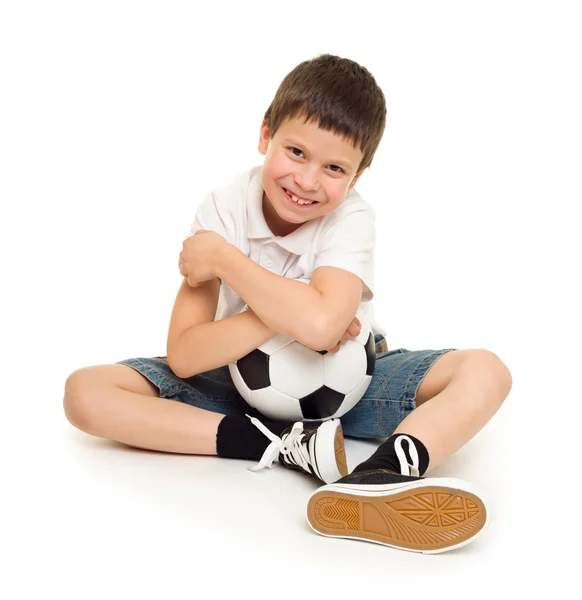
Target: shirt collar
x: 297, y: 242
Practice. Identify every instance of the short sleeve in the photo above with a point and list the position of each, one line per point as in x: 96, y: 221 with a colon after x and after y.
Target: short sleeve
x: 210, y: 217
x: 348, y: 243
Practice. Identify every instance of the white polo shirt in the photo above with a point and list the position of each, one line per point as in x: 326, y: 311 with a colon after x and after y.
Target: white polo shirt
x: 343, y: 238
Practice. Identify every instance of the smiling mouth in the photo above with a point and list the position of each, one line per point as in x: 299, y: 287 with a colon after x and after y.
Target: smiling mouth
x: 298, y: 201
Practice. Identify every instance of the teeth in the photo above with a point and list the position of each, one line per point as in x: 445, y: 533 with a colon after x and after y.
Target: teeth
x: 297, y: 200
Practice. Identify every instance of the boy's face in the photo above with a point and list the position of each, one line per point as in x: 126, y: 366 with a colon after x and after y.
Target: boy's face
x: 311, y: 164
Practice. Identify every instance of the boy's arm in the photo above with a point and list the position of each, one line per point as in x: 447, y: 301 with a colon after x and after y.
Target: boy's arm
x: 215, y: 344
x: 299, y: 311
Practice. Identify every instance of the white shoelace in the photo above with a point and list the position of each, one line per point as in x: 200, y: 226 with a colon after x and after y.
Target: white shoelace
x: 290, y: 445
x: 405, y: 467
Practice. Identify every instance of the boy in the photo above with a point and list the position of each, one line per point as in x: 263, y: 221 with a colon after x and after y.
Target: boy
x: 299, y: 216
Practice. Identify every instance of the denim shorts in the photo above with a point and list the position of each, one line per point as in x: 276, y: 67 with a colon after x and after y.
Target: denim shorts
x: 389, y: 399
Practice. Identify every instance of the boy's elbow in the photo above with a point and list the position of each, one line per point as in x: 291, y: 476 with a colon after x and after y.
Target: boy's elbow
x: 173, y: 363
x: 326, y: 343
x: 180, y: 369
x: 318, y: 337
x: 177, y: 364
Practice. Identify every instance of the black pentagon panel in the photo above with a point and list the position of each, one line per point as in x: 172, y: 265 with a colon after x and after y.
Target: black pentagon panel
x: 321, y: 404
x: 370, y: 355
x: 254, y: 369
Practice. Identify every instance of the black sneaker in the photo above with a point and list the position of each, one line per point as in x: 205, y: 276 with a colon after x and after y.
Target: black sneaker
x: 316, y: 448
x: 427, y: 515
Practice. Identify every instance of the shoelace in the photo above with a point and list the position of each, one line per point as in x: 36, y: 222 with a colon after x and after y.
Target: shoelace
x: 405, y: 467
x: 290, y: 446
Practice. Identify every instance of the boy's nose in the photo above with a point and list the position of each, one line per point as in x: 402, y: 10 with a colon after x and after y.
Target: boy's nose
x: 307, y: 180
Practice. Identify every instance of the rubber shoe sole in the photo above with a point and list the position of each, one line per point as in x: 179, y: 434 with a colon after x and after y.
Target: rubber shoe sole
x: 429, y: 516
x: 340, y: 452
x: 332, y: 465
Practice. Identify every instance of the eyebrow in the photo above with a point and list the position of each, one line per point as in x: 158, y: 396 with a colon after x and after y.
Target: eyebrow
x: 339, y: 162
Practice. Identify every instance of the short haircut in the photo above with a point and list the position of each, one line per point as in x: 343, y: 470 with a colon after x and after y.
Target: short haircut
x: 339, y: 95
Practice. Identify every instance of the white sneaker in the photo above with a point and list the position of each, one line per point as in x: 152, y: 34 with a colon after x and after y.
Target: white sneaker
x: 316, y: 448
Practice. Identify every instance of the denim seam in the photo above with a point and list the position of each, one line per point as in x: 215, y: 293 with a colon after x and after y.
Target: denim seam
x: 149, y: 371
x: 389, y: 376
x: 383, y: 388
x: 172, y: 388
x: 424, y: 365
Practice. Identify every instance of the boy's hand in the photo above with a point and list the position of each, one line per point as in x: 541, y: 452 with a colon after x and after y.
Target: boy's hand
x: 199, y: 256
x: 352, y: 331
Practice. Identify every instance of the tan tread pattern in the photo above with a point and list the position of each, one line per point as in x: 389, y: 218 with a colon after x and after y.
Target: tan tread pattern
x: 429, y: 518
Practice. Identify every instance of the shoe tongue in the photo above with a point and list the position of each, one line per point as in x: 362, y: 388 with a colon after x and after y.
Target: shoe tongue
x: 309, y: 430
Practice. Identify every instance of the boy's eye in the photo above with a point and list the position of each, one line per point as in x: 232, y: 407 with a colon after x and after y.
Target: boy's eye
x: 297, y: 152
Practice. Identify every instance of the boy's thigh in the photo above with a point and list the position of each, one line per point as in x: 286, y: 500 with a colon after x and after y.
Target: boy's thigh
x: 83, y: 380
x: 439, y: 375
x: 212, y: 390
x: 88, y: 388
x: 392, y: 393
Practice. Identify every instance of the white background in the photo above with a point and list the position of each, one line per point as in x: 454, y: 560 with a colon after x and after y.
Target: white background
x: 117, y: 118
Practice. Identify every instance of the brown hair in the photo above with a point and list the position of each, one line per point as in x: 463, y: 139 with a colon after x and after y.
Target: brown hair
x: 339, y: 95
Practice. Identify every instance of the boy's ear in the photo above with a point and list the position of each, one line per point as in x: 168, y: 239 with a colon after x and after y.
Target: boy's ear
x: 264, y: 138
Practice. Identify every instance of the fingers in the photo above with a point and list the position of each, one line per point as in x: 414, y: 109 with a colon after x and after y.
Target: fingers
x: 352, y: 332
x: 181, y: 266
x: 354, y: 328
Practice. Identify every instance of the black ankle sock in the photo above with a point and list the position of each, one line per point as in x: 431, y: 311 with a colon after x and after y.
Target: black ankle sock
x: 386, y: 456
x: 237, y: 437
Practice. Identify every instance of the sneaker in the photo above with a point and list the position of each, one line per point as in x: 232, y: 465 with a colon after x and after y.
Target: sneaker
x: 316, y: 448
x: 426, y: 515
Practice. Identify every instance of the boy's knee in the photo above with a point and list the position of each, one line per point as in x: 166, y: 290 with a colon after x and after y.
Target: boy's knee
x: 493, y: 369
x: 79, y: 399
x: 501, y: 372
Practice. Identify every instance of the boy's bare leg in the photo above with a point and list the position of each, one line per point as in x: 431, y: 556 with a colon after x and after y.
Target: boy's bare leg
x: 458, y: 396
x: 118, y: 403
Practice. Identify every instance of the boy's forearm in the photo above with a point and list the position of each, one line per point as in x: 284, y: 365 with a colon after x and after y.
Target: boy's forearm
x: 218, y: 343
x: 286, y: 306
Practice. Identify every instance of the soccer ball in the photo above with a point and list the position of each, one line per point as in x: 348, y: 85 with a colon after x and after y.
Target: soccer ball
x: 287, y: 381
